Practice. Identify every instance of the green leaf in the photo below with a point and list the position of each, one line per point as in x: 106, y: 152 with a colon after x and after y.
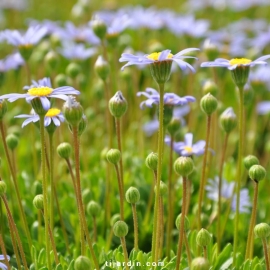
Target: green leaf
x: 41, y: 257
x: 223, y: 257
x: 71, y: 265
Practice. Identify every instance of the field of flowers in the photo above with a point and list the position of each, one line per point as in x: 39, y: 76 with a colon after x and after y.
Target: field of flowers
x: 134, y: 136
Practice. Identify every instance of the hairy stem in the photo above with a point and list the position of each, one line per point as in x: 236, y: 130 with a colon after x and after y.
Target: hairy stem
x: 135, y: 222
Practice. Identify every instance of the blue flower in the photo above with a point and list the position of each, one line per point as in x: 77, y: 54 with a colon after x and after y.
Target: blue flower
x: 227, y: 192
x: 43, y: 90
x: 12, y: 61
x: 2, y: 258
x: 169, y: 98
x: 263, y: 107
x: 158, y: 57
x: 236, y: 62
x: 187, y: 148
x: 53, y: 115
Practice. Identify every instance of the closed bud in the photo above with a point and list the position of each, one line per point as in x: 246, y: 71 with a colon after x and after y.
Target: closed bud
x: 208, y: 104
x: 73, y: 69
x: 152, y: 161
x: 162, y: 188
x: 120, y: 229
x: 93, y: 208
x: 114, y: 219
x: 257, y: 173
x: 203, y: 238
x: 250, y: 160
x: 113, y: 156
x: 132, y: 195
x: 200, y: 263
x: 209, y: 87
x: 82, y: 263
x: 174, y: 126
x: 102, y: 68
x: 12, y: 141
x: 51, y: 60
x: 72, y: 111
x: 3, y: 108
x: 60, y: 80
x: 3, y: 188
x: 64, y: 150
x: 38, y: 202
x: 118, y: 105
x: 228, y: 120
x: 178, y: 223
x: 262, y: 230
x: 99, y: 27
x: 183, y: 166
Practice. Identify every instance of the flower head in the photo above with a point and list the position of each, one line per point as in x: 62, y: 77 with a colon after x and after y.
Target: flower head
x: 158, y: 57
x: 169, y: 98
x: 43, y: 90
x: 12, y: 61
x: 2, y: 265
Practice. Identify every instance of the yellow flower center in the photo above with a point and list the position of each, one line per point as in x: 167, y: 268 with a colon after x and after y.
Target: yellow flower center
x: 188, y: 149
x: 40, y: 91
x: 239, y: 61
x: 154, y: 56
x: 52, y: 112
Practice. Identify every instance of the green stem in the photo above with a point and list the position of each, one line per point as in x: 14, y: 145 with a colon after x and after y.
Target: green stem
x: 14, y: 178
x: 135, y: 222
x: 119, y: 143
x: 121, y: 192
x: 203, y: 177
x: 265, y: 250
x: 123, y: 243
x: 205, y: 252
x: 219, y: 191
x: 45, y: 191
x: 249, y: 254
x: 239, y: 171
x: 161, y: 228
x: 51, y: 157
x: 159, y: 170
x: 182, y: 225
x: 95, y: 228
x: 187, y: 250
x: 4, y: 252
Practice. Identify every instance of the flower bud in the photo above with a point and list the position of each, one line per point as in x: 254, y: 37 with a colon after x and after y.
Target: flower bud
x: 114, y: 219
x: 12, y: 141
x: 250, y: 160
x: 200, y: 263
x: 73, y: 69
x: 174, y: 126
x: 162, y: 188
x: 61, y: 80
x: 152, y: 161
x: 93, y: 208
x: 211, y: 50
x: 113, y: 156
x: 64, y: 150
x: 72, y: 111
x: 120, y: 229
x: 228, y: 120
x: 183, y: 166
x: 38, y: 202
x: 99, y: 27
x: 203, y: 238
x: 3, y: 188
x: 3, y: 108
x: 118, y: 105
x: 132, y: 195
x: 82, y: 263
x: 178, y: 223
x: 51, y: 60
x: 257, y: 173
x: 26, y: 51
x: 262, y: 230
x: 209, y: 87
x: 82, y: 125
x: 102, y: 68
x: 208, y: 104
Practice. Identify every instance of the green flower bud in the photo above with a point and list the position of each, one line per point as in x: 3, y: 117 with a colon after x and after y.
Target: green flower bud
x: 61, y: 80
x: 152, y: 161
x: 240, y: 75
x: 209, y: 87
x: 228, y: 120
x: 211, y: 50
x: 3, y: 188
x: 114, y: 219
x: 82, y: 263
x: 174, y: 126
x: 161, y: 71
x: 73, y: 111
x: 262, y: 230
x: 3, y: 108
x: 93, y: 208
x: 250, y: 160
x: 200, y: 263
x: 64, y: 150
x: 99, y: 27
x: 51, y: 60
x: 257, y: 173
x: 178, y: 223
x: 38, y: 107
x: 112, y: 39
x: 132, y: 195
x: 120, y: 229
x: 162, y: 188
x: 118, y: 105
x: 113, y: 156
x: 73, y: 69
x: 184, y: 166
x: 208, y: 104
x: 12, y: 141
x: 82, y: 125
x: 103, y: 154
x: 26, y: 51
x: 38, y: 202
x: 102, y: 68
x: 203, y: 238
